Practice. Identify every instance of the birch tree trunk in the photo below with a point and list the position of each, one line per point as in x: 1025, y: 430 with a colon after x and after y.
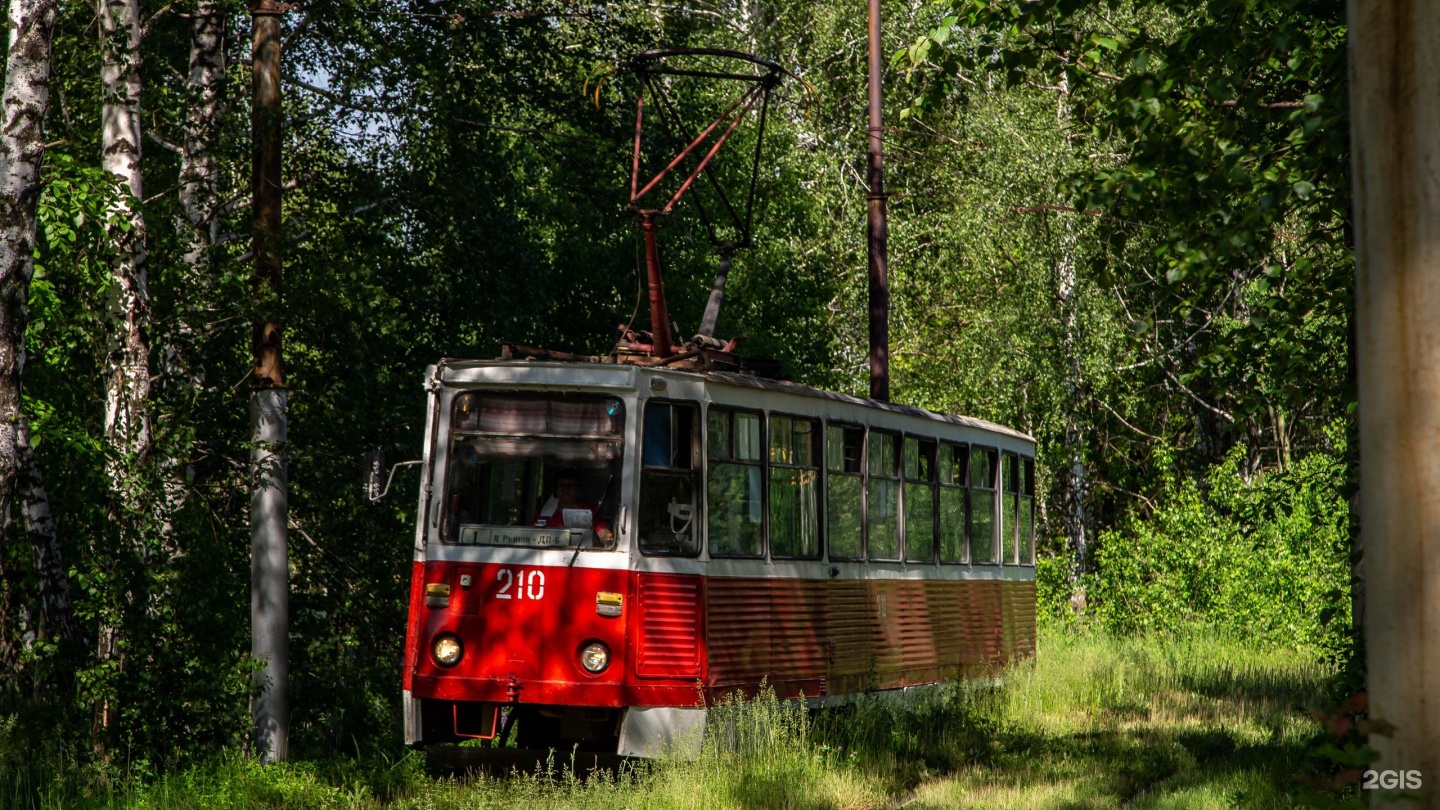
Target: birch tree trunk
x: 127, y: 382
x: 199, y: 230
x: 1074, y: 483
x: 127, y: 387
x: 57, y: 612
x: 199, y: 172
x: 25, y: 102
x: 199, y: 169
x: 22, y: 147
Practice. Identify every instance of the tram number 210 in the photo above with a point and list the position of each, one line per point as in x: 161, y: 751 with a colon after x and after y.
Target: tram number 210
x: 517, y: 583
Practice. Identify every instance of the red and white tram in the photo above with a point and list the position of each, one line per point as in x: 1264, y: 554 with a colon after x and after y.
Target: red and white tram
x: 603, y: 550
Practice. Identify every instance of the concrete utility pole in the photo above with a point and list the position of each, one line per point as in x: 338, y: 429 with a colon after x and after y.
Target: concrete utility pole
x: 269, y: 507
x: 1395, y: 102
x: 875, y: 217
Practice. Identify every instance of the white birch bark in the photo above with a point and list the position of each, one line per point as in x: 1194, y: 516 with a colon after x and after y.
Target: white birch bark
x: 199, y: 172
x: 22, y: 146
x: 199, y: 225
x: 56, y: 610
x: 1074, y: 483
x: 127, y: 380
x: 127, y: 387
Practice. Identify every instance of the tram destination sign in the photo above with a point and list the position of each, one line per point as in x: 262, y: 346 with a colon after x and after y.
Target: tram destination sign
x: 514, y: 536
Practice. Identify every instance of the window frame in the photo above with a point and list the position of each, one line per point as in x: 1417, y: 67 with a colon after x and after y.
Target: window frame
x: 762, y: 463
x: 1027, y: 492
x: 898, y: 477
x: 862, y: 475
x: 996, y: 506
x: 446, y: 430
x: 1010, y: 463
x: 934, y: 485
x: 964, y: 488
x: 695, y: 470
x: 817, y: 458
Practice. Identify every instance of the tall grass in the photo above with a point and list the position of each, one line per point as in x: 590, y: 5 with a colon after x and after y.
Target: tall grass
x: 1094, y: 721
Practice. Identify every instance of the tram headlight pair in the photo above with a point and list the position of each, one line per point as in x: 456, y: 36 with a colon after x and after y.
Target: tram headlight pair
x: 447, y: 649
x: 595, y: 657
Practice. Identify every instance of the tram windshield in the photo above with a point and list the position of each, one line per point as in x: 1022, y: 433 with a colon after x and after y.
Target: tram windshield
x: 533, y: 470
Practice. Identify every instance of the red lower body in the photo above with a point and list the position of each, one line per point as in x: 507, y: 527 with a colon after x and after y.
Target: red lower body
x: 689, y: 640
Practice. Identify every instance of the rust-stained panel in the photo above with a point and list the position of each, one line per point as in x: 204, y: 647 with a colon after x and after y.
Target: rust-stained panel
x: 737, y: 614
x: 851, y: 621
x: 982, y: 615
x: 669, y: 627
x: 804, y: 636
x: 798, y: 631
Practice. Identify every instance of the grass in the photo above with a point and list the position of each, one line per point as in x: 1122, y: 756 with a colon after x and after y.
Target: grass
x: 1093, y: 722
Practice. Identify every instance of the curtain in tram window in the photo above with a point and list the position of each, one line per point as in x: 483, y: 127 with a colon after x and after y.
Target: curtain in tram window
x: 982, y: 526
x: 794, y: 522
x: 843, y: 498
x: 884, y: 527
x: 952, y: 525
x: 735, y: 517
x: 1027, y: 531
x: 919, y: 522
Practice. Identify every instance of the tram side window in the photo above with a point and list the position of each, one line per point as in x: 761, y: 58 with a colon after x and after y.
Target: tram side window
x: 882, y: 522
x: 982, y: 505
x: 919, y: 500
x: 794, y: 488
x: 733, y: 492
x: 954, y: 501
x: 667, y: 480
x: 1027, y: 512
x: 844, y: 490
x: 1010, y: 513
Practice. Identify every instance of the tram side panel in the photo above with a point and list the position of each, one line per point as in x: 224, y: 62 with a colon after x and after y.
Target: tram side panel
x: 799, y: 632
x: 738, y: 644
x: 855, y: 635
x: 667, y: 627
x: 818, y: 638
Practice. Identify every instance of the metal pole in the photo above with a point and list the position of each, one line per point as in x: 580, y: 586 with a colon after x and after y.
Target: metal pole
x: 269, y: 508
x: 876, y: 217
x: 1395, y: 100
x: 717, y: 292
x: 659, y: 315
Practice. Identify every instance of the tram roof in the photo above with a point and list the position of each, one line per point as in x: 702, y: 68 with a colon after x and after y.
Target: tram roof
x: 455, y: 371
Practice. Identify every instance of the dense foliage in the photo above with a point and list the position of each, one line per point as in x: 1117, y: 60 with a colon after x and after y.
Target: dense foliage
x: 1121, y: 228
x: 1267, y: 559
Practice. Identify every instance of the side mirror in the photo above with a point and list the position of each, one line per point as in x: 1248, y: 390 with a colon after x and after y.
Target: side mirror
x: 375, y: 477
x: 377, y: 483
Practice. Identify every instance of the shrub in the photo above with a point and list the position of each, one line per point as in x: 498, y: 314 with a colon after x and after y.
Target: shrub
x: 1268, y: 558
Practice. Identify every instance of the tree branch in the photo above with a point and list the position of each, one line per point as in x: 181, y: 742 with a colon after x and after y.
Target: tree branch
x: 1113, y: 413
x: 145, y: 29
x: 1273, y: 105
x: 345, y: 102
x: 162, y: 143
x: 1220, y: 412
x: 1064, y: 209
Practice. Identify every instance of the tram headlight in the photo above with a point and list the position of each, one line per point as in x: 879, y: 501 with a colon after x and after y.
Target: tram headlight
x: 447, y: 649
x: 595, y: 657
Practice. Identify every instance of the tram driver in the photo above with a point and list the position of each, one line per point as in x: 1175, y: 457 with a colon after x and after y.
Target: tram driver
x: 566, y: 508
